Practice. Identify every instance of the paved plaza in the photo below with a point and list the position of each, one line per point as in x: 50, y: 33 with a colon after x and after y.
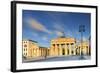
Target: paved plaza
x: 59, y: 58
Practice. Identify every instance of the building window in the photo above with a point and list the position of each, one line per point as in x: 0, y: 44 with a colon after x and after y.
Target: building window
x: 24, y: 54
x: 24, y: 49
x: 25, y: 45
x: 25, y: 41
x: 87, y: 47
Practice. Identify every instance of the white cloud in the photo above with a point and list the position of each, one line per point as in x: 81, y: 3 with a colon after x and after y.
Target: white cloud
x: 37, y: 26
x: 59, y: 33
x: 58, y: 27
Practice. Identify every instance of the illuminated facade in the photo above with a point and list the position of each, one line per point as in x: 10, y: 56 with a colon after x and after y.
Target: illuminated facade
x: 83, y: 48
x: 62, y: 46
x: 67, y: 46
x: 32, y: 50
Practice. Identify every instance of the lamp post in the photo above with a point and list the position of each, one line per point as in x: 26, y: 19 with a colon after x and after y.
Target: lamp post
x: 81, y: 30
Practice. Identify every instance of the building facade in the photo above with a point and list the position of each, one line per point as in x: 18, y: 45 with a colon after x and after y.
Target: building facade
x: 68, y: 46
x: 62, y: 46
x: 83, y: 48
x: 32, y: 50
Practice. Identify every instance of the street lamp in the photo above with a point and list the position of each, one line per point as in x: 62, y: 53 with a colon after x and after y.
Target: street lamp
x: 81, y: 30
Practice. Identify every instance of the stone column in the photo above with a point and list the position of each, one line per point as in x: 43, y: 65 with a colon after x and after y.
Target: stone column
x: 39, y: 52
x: 42, y: 52
x: 36, y: 52
x: 50, y: 53
x: 32, y: 52
x: 74, y: 49
x: 51, y: 50
x: 56, y: 49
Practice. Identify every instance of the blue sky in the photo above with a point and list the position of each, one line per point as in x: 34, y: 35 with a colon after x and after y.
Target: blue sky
x: 42, y: 26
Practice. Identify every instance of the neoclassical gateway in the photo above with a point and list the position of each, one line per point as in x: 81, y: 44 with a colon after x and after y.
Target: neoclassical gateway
x: 68, y: 46
x: 61, y: 46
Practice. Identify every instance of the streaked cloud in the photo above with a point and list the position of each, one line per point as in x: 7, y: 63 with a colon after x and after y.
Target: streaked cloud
x: 37, y: 26
x: 58, y: 27
x: 45, y: 38
x: 59, y: 33
x: 35, y: 34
